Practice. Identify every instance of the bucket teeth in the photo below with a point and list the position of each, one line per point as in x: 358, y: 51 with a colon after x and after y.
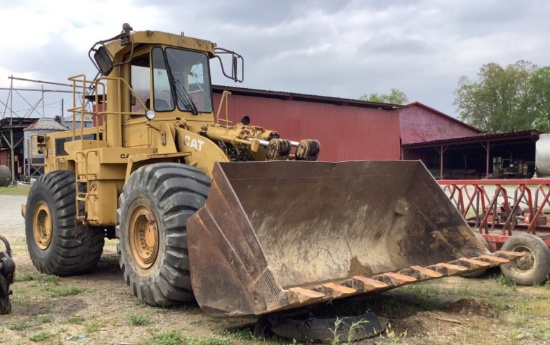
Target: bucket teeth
x: 364, y: 284
x: 394, y: 279
x: 299, y: 295
x: 508, y: 255
x: 493, y: 259
x: 448, y: 269
x: 334, y: 290
x: 421, y: 273
x: 472, y: 263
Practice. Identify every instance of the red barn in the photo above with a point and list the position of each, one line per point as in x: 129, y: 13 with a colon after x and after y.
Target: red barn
x: 348, y: 129
x: 420, y: 123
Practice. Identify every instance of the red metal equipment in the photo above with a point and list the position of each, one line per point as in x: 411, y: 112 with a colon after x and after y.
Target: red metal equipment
x: 500, y: 209
x: 510, y: 216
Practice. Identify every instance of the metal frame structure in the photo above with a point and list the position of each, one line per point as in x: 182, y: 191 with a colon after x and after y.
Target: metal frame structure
x: 475, y: 152
x: 502, y: 208
x: 11, y: 121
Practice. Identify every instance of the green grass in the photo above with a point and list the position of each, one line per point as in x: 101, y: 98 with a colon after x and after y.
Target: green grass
x: 42, y: 336
x: 140, y: 319
x: 45, y: 318
x: 26, y: 276
x: 207, y: 341
x: 337, y: 332
x: 65, y: 292
x: 16, y: 190
x: 93, y: 327
x: 20, y: 326
x: 168, y: 338
x: 76, y: 320
x: 33, y: 276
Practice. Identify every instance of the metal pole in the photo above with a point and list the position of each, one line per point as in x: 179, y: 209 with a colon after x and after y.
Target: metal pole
x: 487, y: 160
x: 12, y: 153
x: 43, y: 108
x: 441, y: 163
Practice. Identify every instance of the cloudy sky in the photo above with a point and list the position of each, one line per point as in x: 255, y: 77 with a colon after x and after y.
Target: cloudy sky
x: 339, y: 48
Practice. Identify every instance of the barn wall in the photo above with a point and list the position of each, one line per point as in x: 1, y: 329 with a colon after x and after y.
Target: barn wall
x: 420, y: 124
x: 345, y: 132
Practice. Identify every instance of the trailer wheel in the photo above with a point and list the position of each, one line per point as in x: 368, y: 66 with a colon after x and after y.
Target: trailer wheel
x: 55, y: 244
x: 481, y: 271
x: 534, y: 266
x: 153, y: 210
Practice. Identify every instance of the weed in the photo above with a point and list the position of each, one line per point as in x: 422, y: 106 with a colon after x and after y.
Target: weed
x: 93, y: 327
x: 393, y: 336
x: 243, y: 333
x: 42, y: 336
x: 20, y: 326
x: 65, y: 292
x: 207, y: 341
x: 76, y: 320
x: 505, y: 281
x: 169, y: 338
x: 139, y: 319
x: 45, y: 318
x: 26, y: 277
x: 50, y: 279
x: 336, y: 334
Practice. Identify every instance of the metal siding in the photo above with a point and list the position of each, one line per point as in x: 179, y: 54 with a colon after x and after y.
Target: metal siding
x: 345, y: 132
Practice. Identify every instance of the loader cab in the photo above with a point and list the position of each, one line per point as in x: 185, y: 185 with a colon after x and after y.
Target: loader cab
x: 169, y: 79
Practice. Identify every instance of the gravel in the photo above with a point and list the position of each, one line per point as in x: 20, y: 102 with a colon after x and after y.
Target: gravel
x: 12, y: 224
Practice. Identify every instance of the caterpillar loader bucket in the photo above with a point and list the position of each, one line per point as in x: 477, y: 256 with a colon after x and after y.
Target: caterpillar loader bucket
x: 280, y: 235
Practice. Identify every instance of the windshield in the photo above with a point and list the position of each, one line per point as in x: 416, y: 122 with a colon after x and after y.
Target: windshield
x: 184, y: 77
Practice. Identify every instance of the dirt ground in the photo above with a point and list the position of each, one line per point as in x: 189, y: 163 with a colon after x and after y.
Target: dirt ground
x: 98, y: 308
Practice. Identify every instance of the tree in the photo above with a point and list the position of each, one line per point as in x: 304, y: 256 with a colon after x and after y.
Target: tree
x: 540, y: 88
x: 395, y: 97
x: 505, y: 99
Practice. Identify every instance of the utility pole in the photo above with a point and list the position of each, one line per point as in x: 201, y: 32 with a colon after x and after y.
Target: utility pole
x: 12, y: 151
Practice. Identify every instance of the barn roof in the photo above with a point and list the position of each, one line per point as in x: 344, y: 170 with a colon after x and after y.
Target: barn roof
x: 483, y: 138
x: 305, y: 97
x: 450, y: 118
x: 46, y: 123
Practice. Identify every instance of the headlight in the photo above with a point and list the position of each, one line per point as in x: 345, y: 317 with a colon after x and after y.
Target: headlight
x: 150, y: 114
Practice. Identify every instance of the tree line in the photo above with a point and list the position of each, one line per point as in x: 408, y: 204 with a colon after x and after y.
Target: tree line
x: 502, y: 99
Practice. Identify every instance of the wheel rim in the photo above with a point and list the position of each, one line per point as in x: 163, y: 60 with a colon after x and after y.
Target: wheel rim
x: 144, y: 237
x: 42, y: 226
x: 526, y: 262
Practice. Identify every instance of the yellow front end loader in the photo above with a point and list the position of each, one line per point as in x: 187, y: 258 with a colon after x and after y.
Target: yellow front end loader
x: 232, y: 215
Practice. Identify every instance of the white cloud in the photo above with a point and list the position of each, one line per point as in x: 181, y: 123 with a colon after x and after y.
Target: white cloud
x: 334, y: 48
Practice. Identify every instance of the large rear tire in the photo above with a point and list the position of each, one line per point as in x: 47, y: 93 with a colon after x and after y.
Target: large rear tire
x: 154, y: 206
x: 55, y: 246
x: 534, y: 266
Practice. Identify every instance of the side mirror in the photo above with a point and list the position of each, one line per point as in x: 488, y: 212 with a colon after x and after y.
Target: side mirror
x: 237, y: 64
x: 103, y: 60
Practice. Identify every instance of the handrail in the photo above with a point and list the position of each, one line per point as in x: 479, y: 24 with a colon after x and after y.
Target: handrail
x: 506, y: 204
x: 99, y: 93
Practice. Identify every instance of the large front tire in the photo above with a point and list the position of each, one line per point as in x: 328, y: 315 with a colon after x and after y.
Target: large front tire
x: 154, y: 206
x: 534, y: 266
x: 55, y: 246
